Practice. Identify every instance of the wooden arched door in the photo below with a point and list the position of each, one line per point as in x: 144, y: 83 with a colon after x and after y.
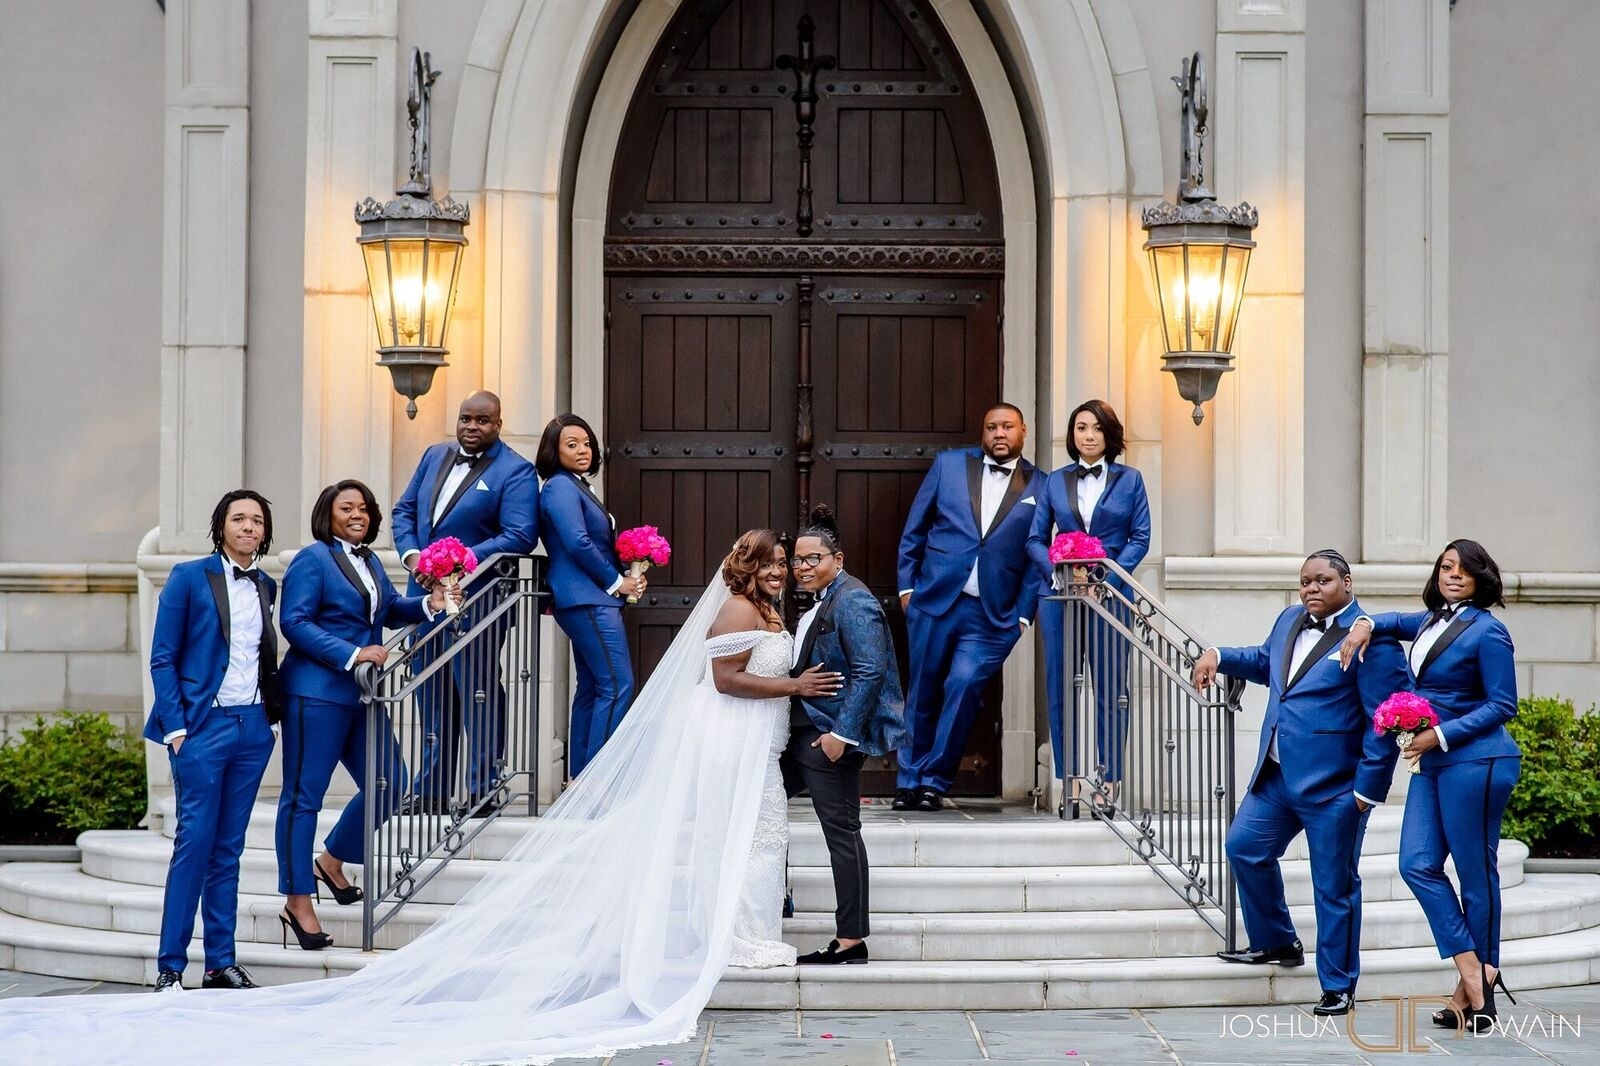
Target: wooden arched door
x: 804, y: 267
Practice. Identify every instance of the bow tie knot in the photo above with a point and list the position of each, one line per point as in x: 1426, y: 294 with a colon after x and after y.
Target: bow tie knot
x: 1321, y: 626
x: 241, y: 574
x: 996, y: 468
x: 1091, y: 471
x: 1442, y: 614
x: 361, y: 551
x: 463, y: 457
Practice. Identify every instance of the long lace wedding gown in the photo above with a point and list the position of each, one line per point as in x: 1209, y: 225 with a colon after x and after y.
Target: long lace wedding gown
x: 605, y: 927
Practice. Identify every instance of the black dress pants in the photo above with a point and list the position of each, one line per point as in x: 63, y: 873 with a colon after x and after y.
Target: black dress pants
x: 835, y: 789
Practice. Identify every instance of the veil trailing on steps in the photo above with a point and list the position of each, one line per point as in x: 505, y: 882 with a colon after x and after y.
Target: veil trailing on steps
x: 606, y: 926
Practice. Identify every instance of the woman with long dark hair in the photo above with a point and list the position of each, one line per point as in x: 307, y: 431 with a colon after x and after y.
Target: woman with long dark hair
x: 1465, y: 667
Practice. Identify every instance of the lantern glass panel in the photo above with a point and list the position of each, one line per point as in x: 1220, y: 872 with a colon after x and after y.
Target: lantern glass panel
x: 444, y: 259
x: 1203, y: 294
x: 409, y: 290
x: 1167, y: 262
x: 1237, y: 265
x: 376, y: 255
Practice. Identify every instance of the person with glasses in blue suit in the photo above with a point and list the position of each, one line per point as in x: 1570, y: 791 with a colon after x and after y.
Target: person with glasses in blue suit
x: 1465, y: 666
x: 587, y: 584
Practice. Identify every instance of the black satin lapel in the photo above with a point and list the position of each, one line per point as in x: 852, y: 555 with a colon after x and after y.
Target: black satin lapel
x: 1330, y: 638
x: 342, y: 559
x: 975, y: 491
x: 483, y: 462
x: 219, y: 593
x: 1071, y: 481
x: 439, y: 478
x: 1447, y: 638
x: 269, y: 637
x: 1014, y: 490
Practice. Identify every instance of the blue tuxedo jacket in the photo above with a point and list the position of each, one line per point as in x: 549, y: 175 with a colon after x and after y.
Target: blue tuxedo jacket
x: 850, y: 635
x: 1470, y: 677
x: 496, y: 508
x: 1323, y: 715
x: 942, y: 539
x: 580, y: 537
x: 189, y: 648
x: 1121, y: 518
x: 325, y: 619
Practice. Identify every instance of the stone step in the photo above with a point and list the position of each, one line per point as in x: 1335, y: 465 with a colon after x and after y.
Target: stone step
x: 139, y: 857
x: 1571, y: 958
x: 1541, y: 905
x: 944, y: 839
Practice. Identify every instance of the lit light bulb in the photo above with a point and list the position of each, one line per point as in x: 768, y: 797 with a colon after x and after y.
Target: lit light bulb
x: 409, y: 304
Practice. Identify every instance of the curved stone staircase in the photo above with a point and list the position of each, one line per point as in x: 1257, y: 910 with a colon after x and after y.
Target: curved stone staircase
x: 978, y: 908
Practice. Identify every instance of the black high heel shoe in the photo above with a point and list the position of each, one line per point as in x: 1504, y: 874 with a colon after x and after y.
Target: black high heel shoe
x: 1482, y: 1019
x: 342, y: 896
x: 308, y: 941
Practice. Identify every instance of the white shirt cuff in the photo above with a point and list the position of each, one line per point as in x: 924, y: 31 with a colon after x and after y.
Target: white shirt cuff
x: 174, y: 735
x: 615, y: 585
x: 276, y: 727
x: 906, y: 592
x: 844, y: 740
x: 350, y: 663
x: 1364, y: 618
x: 1026, y: 621
x: 427, y: 610
x: 1369, y: 802
x: 1438, y: 731
x: 405, y: 560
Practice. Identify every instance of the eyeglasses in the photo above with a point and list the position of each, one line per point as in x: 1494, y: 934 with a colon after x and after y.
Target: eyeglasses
x: 811, y: 560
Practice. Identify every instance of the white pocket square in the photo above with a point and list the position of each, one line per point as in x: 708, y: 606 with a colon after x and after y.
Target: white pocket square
x: 480, y: 486
x: 1333, y: 656
x: 1028, y: 500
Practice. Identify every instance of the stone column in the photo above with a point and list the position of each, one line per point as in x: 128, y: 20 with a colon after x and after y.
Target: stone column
x: 1407, y: 279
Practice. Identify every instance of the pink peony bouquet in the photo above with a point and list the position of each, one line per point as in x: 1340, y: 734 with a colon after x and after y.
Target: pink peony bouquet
x: 641, y: 547
x: 1404, y: 715
x: 1075, y: 547
x: 447, y: 561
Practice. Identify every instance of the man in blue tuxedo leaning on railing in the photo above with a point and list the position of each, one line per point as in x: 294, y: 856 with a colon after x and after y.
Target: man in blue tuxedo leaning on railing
x: 1320, y: 768
x: 214, y: 668
x: 477, y: 489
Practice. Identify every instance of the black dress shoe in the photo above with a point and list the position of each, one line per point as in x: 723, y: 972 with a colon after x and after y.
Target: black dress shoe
x: 1333, y: 1004
x: 904, y: 799
x: 1291, y: 954
x: 832, y: 956
x: 228, y: 977
x: 928, y: 799
x: 788, y: 905
x: 168, y: 981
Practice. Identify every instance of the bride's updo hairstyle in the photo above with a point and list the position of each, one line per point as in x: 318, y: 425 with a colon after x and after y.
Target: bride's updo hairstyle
x: 821, y: 524
x: 742, y: 566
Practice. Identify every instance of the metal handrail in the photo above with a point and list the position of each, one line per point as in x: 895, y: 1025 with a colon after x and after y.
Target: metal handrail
x: 439, y: 673
x: 1157, y: 763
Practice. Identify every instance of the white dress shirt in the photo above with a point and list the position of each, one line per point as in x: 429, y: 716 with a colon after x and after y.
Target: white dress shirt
x: 994, y: 484
x: 1426, y: 639
x: 241, y: 682
x: 1090, y: 489
x: 801, y: 629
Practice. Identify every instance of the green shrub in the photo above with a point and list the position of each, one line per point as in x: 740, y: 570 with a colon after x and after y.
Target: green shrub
x: 1556, y: 804
x: 72, y: 773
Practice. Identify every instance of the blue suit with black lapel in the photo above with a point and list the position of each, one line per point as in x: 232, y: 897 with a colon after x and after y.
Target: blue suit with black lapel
x: 579, y: 535
x: 1121, y: 521
x: 494, y: 509
x: 225, y: 750
x: 1319, y: 720
x: 959, y: 639
x: 1456, y: 802
x: 327, y: 617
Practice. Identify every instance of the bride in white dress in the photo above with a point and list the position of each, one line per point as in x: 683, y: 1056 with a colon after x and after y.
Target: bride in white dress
x: 605, y: 927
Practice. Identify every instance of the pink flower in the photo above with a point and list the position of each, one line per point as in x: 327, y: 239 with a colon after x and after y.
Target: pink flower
x: 447, y: 557
x: 1404, y: 712
x: 643, y: 544
x: 1075, y: 547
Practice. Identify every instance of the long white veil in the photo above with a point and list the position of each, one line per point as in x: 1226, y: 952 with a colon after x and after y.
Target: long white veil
x: 606, y: 926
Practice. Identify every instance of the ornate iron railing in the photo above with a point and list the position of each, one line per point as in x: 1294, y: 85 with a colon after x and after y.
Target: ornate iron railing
x: 1144, y: 751
x: 452, y: 733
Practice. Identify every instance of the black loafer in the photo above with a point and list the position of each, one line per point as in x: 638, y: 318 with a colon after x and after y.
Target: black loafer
x: 928, y: 800
x: 1291, y: 954
x: 832, y: 956
x: 1333, y: 1004
x: 904, y: 799
x: 228, y: 977
x: 168, y: 981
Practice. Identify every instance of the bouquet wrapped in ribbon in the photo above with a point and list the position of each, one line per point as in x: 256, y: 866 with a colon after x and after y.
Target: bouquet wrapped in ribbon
x: 641, y: 547
x: 1404, y: 715
x: 1076, y: 550
x: 446, y: 562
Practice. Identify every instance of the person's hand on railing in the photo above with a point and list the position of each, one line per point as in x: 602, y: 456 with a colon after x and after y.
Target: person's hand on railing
x: 1354, y: 648
x: 1205, y: 669
x: 376, y: 654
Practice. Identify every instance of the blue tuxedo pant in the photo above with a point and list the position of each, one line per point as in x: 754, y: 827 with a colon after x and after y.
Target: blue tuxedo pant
x: 317, y: 736
x: 1271, y: 816
x: 1099, y: 650
x: 462, y: 707
x: 215, y: 775
x: 605, y: 679
x: 953, y: 656
x: 1455, y: 811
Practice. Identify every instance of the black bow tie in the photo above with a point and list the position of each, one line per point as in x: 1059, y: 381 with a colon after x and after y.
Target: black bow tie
x: 462, y: 457
x: 1091, y: 471
x: 361, y: 552
x: 1441, y: 614
x: 241, y: 574
x: 996, y: 468
x: 1312, y: 623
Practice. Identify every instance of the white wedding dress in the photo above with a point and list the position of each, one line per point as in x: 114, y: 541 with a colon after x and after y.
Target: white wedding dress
x: 605, y: 927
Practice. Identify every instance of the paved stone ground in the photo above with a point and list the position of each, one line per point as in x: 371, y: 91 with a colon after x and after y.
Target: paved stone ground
x: 1547, y: 1027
